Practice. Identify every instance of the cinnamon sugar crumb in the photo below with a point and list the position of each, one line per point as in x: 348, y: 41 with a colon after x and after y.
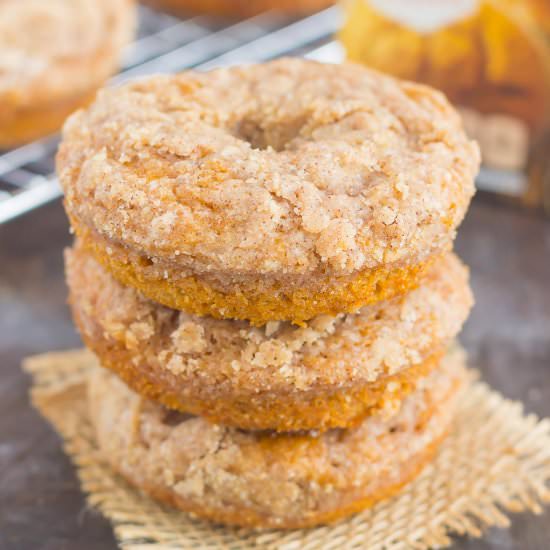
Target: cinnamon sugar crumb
x: 271, y: 353
x: 189, y: 338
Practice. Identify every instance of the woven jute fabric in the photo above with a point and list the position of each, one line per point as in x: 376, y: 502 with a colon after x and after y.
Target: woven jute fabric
x: 496, y: 460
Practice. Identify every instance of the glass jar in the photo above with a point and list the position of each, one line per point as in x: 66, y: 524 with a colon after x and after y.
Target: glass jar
x: 490, y: 57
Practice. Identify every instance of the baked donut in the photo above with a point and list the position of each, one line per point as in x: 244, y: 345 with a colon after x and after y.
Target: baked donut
x: 261, y: 479
x: 53, y: 57
x: 241, y: 8
x: 268, y: 192
x: 332, y: 372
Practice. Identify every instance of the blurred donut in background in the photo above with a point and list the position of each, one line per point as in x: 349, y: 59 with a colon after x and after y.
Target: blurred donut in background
x: 240, y: 8
x: 53, y: 57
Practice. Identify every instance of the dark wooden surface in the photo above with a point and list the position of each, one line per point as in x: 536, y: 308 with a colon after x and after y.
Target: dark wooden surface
x: 41, y: 507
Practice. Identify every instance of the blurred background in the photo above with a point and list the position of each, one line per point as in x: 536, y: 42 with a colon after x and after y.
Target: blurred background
x: 492, y: 59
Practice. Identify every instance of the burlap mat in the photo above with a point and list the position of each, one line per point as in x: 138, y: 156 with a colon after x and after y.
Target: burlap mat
x: 497, y: 460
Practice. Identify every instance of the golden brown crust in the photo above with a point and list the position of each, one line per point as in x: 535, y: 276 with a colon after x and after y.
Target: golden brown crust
x: 266, y: 480
x: 320, y: 410
x: 53, y: 57
x: 329, y: 373
x: 258, y: 302
x: 241, y: 8
x: 218, y: 182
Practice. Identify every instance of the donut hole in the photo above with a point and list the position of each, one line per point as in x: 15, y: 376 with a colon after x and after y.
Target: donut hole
x: 269, y: 134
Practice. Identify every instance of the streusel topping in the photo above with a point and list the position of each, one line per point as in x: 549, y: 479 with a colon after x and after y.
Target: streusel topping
x: 289, y: 168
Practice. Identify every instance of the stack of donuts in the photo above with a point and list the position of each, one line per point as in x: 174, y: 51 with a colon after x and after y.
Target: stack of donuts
x: 263, y: 267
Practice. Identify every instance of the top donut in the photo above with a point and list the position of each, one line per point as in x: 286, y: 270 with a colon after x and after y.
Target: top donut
x: 277, y: 191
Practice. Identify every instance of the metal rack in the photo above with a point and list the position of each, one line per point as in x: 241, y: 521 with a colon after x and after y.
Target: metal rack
x: 167, y: 44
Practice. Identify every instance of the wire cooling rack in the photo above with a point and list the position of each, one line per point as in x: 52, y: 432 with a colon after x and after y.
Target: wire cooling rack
x: 167, y: 44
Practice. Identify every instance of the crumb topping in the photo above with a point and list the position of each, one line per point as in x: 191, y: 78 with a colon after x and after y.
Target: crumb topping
x: 188, y: 338
x: 289, y: 168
